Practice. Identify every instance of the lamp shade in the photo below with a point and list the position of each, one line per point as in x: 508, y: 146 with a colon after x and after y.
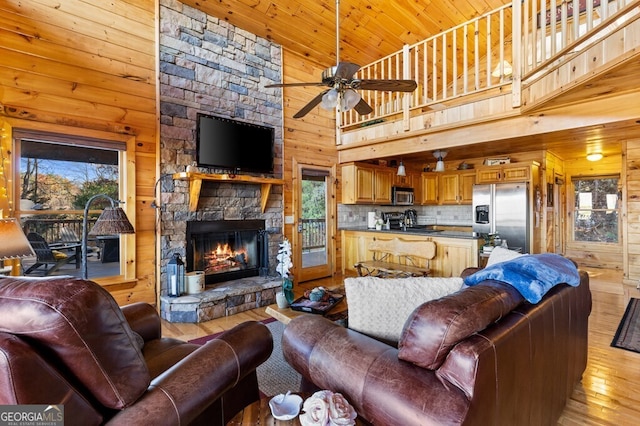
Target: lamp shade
x: 14, y: 243
x: 401, y: 170
x: 112, y: 221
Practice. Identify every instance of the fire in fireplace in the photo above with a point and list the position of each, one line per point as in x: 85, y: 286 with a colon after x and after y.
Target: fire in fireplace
x: 227, y: 249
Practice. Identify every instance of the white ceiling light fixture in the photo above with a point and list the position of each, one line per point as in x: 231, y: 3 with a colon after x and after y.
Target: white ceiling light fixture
x: 401, y: 170
x: 503, y: 69
x: 440, y: 155
x: 594, y: 156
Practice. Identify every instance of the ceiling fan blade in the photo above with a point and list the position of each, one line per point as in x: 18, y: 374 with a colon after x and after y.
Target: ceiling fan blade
x: 293, y: 85
x: 363, y: 107
x: 311, y: 105
x: 346, y: 70
x: 385, y: 85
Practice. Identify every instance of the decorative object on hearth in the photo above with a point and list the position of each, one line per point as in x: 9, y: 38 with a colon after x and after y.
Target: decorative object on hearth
x: 283, y: 267
x: 440, y: 155
x: 327, y: 408
x: 175, y: 276
x: 343, y: 85
x: 112, y: 221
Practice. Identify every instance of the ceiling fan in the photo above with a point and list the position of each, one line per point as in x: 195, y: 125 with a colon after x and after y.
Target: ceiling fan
x: 342, y: 84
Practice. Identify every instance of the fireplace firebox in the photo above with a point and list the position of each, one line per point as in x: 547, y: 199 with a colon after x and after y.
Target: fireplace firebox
x: 227, y: 250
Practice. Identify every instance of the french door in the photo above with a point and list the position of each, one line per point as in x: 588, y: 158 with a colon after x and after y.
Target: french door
x: 315, y: 212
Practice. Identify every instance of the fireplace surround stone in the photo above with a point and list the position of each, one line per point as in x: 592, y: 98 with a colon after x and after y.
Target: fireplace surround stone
x: 220, y: 300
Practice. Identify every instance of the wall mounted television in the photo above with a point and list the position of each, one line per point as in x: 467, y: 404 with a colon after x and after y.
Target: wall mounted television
x: 234, y: 145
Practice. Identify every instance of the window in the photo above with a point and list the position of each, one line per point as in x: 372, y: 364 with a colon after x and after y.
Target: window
x: 58, y: 174
x: 596, y: 207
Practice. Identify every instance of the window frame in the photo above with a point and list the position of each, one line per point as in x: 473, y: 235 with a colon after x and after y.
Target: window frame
x: 575, y: 209
x: 124, y: 144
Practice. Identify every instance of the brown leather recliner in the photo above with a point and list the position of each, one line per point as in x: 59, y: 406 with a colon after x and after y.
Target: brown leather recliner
x: 65, y: 341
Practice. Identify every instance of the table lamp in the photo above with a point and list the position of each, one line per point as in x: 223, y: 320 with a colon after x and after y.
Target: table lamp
x: 112, y: 220
x: 14, y: 243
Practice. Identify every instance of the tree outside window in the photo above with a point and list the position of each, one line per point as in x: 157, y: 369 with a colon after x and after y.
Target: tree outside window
x: 596, y: 209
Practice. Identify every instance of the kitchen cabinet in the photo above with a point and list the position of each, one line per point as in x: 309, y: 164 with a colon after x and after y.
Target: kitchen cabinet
x: 453, y: 255
x: 366, y: 184
x: 516, y: 172
x: 456, y: 187
x: 429, y: 188
x: 407, y: 181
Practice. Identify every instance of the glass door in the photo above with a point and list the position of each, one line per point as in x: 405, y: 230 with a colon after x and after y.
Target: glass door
x: 315, y: 222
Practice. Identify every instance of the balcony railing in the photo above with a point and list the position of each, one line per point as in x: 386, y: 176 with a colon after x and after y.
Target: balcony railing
x: 314, y: 233
x: 483, y: 54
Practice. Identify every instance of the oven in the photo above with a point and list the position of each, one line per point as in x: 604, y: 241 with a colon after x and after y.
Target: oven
x: 401, y: 196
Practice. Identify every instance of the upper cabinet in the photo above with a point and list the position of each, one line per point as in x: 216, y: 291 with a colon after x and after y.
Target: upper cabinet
x: 366, y: 184
x: 456, y: 187
x: 504, y: 173
x: 429, y: 188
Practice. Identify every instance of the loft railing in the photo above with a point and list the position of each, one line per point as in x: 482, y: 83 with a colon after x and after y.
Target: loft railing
x: 482, y: 55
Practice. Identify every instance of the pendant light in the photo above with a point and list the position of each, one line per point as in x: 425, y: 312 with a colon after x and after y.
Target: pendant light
x: 401, y: 169
x: 440, y: 155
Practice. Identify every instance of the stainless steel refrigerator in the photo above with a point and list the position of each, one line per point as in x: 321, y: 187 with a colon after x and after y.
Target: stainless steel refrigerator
x: 503, y: 209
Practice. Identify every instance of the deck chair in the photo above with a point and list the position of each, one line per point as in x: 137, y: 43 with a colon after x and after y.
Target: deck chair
x: 46, y: 256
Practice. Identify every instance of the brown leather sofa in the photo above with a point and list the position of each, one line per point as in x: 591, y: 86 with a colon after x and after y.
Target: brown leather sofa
x: 481, y: 356
x: 65, y: 341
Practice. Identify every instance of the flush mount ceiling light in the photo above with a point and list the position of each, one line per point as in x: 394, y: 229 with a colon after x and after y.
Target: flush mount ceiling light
x: 594, y: 156
x: 440, y: 155
x: 401, y: 169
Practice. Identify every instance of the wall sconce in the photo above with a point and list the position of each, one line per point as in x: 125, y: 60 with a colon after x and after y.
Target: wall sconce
x: 401, y: 170
x: 112, y: 220
x: 594, y: 156
x: 503, y: 69
x: 440, y: 155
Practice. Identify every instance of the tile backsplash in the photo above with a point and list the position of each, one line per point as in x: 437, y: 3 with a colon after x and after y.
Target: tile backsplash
x: 350, y: 215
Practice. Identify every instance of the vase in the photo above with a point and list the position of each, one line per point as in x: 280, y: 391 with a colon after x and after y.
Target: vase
x: 281, y: 300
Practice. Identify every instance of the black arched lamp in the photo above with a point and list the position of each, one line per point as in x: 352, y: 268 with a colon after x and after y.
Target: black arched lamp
x: 113, y: 220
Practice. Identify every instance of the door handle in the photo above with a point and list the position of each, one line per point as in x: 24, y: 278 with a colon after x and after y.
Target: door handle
x: 300, y: 227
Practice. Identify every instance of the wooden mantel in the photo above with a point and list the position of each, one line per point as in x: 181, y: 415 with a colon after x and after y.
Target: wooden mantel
x: 195, y: 184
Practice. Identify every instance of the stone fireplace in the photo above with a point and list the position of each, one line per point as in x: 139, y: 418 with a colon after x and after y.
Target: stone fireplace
x: 209, y: 66
x: 227, y: 249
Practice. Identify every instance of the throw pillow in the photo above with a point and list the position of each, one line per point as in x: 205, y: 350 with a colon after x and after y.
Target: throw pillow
x: 379, y: 307
x: 501, y: 254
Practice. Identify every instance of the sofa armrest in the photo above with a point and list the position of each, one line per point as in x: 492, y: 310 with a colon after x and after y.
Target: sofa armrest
x: 469, y: 271
x: 144, y: 320
x: 186, y: 390
x: 382, y: 388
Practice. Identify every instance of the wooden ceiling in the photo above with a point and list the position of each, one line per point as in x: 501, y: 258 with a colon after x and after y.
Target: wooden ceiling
x: 372, y: 29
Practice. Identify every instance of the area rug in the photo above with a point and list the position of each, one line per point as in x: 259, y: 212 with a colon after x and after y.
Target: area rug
x: 275, y: 375
x: 628, y: 334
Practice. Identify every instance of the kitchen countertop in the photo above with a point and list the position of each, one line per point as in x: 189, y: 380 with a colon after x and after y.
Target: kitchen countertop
x: 417, y: 231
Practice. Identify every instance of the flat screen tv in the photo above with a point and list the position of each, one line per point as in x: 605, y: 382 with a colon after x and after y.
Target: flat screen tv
x: 234, y: 145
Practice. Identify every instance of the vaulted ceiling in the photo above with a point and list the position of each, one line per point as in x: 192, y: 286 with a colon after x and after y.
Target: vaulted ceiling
x: 372, y: 29
x: 369, y: 30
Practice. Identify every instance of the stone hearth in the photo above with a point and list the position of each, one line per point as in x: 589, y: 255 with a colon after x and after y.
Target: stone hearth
x: 220, y: 300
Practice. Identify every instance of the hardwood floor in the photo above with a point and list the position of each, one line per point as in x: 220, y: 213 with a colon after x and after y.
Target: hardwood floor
x: 609, y: 393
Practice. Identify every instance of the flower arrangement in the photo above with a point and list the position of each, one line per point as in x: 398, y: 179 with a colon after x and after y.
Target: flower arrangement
x: 284, y: 265
x: 325, y: 408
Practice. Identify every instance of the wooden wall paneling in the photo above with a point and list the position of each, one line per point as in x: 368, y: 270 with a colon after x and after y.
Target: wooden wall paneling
x: 310, y: 140
x: 83, y: 68
x: 631, y: 194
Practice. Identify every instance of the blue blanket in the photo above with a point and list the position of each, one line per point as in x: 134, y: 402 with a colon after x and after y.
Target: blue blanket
x: 533, y: 275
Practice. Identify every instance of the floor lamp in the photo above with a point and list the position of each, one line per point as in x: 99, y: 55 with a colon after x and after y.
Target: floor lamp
x: 15, y: 244
x: 113, y: 220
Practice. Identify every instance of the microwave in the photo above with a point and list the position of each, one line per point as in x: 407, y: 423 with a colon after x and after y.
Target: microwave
x: 401, y: 196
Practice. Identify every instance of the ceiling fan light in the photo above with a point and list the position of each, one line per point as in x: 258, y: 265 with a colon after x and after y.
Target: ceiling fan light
x: 401, y: 170
x: 330, y: 99
x: 350, y: 99
x: 506, y: 71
